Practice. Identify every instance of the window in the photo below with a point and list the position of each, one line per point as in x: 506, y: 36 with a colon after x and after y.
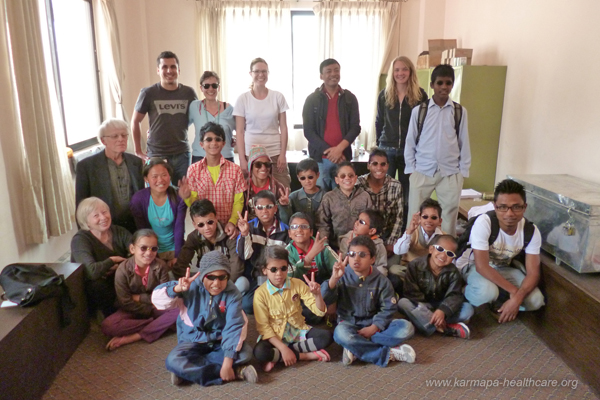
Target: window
x: 305, y: 62
x: 72, y: 66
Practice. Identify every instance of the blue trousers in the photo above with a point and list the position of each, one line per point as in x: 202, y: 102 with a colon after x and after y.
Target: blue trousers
x: 327, y: 175
x: 420, y: 314
x: 376, y: 350
x: 201, y: 362
x: 180, y: 163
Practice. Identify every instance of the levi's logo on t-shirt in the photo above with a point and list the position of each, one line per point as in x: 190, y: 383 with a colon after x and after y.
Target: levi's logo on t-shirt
x: 171, y: 106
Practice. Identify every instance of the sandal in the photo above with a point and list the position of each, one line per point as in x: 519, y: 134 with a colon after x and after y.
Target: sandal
x: 322, y: 355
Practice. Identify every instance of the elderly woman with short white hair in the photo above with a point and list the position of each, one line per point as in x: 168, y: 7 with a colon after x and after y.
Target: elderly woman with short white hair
x: 100, y: 247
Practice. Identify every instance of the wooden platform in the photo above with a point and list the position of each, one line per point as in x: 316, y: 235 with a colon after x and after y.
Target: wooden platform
x: 33, y: 345
x: 570, y: 322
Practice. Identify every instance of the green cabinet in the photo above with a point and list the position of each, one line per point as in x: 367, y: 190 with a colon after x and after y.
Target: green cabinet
x: 480, y: 89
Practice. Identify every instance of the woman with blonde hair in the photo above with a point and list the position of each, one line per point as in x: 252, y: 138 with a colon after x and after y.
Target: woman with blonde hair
x: 261, y: 121
x: 394, y: 106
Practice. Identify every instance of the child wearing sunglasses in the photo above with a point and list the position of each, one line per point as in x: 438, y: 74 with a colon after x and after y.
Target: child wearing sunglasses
x: 211, y: 327
x: 135, y: 279
x: 255, y: 236
x: 307, y: 199
x: 423, y: 227
x: 340, y: 207
x: 433, y: 298
x: 284, y: 335
x: 366, y: 304
x: 260, y: 169
x: 208, y: 235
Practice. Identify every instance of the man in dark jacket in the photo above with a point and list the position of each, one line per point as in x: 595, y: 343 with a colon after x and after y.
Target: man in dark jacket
x: 331, y: 123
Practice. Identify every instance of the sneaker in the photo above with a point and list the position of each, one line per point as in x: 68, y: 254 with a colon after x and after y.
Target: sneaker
x: 460, y: 330
x: 175, y: 380
x: 403, y: 353
x: 246, y: 373
x: 347, y: 357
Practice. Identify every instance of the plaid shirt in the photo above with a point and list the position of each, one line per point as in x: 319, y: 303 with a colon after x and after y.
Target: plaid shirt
x: 389, y: 202
x: 230, y: 182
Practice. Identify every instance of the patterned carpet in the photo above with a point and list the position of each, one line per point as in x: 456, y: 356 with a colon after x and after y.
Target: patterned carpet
x: 497, y: 356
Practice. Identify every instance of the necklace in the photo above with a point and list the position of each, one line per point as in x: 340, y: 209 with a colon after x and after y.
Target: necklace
x: 218, y: 116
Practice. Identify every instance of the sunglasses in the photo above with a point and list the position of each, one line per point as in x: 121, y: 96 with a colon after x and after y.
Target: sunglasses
x: 144, y: 249
x: 449, y: 253
x: 275, y: 269
x: 303, y: 178
x: 362, y: 222
x: 360, y: 254
x: 343, y: 176
x: 201, y: 224
x: 260, y: 164
x: 210, y: 139
x: 299, y: 226
x: 217, y: 277
x: 433, y: 217
x: 264, y: 207
x: 209, y: 85
x: 376, y: 163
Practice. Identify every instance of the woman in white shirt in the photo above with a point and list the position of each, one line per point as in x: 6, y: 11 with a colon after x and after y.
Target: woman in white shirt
x: 261, y: 121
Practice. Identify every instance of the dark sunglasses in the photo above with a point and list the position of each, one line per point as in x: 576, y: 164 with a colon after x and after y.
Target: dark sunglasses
x: 376, y: 163
x: 343, y: 176
x: 449, y: 253
x: 362, y: 222
x: 275, y: 269
x: 299, y: 226
x: 265, y: 206
x: 201, y: 224
x: 210, y: 139
x: 259, y: 164
x: 144, y: 249
x: 217, y: 277
x: 433, y: 217
x: 303, y: 178
x: 360, y: 254
x: 209, y: 85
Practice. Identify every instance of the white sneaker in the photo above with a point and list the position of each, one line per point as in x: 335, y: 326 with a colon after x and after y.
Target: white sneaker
x: 347, y: 357
x: 403, y: 353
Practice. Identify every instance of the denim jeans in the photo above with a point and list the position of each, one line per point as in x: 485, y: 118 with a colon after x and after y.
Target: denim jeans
x: 397, y: 164
x: 180, y: 163
x: 480, y: 291
x: 201, y: 362
x: 376, y: 350
x: 420, y: 314
x: 327, y: 175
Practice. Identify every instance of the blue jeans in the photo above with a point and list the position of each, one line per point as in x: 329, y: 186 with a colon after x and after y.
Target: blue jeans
x: 376, y: 350
x: 397, y: 164
x: 480, y: 291
x: 201, y: 362
x: 180, y: 163
x: 420, y: 314
x: 327, y: 175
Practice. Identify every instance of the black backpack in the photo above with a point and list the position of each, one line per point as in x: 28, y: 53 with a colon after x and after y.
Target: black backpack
x: 28, y: 284
x: 464, y: 239
x: 423, y: 113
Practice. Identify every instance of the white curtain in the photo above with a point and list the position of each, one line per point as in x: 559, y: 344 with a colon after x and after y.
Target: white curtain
x: 357, y: 35
x: 38, y: 175
x: 109, y: 58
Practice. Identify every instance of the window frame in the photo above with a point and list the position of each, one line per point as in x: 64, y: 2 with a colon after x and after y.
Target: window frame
x: 297, y: 13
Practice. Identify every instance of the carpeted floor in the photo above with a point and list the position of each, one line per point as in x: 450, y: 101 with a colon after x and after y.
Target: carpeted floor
x: 497, y: 356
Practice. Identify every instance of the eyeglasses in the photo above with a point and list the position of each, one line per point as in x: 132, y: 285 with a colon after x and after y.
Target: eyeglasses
x: 210, y: 139
x: 376, y: 163
x: 360, y: 254
x: 144, y: 249
x: 449, y: 253
x: 217, y: 277
x: 515, y: 208
x: 201, y: 224
x: 275, y: 269
x: 210, y: 85
x: 117, y: 135
x: 362, y: 222
x: 264, y: 206
x: 303, y: 178
x: 433, y: 217
x: 343, y: 176
x: 260, y: 71
x: 299, y: 226
x: 260, y: 164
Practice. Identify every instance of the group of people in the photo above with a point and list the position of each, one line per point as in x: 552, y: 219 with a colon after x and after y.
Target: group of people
x: 320, y: 254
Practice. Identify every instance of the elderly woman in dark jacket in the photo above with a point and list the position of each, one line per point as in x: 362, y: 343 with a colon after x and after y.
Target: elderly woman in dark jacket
x: 100, y: 247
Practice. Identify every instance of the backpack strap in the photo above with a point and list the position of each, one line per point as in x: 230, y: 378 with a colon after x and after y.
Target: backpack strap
x: 457, y: 118
x: 458, y: 111
x: 495, y: 226
x: 528, y: 231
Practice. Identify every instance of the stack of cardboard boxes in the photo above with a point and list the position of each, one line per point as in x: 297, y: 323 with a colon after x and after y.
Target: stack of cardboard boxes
x: 444, y: 51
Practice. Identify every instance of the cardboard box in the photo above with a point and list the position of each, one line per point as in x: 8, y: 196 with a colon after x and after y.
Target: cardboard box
x: 423, y: 61
x: 436, y: 48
